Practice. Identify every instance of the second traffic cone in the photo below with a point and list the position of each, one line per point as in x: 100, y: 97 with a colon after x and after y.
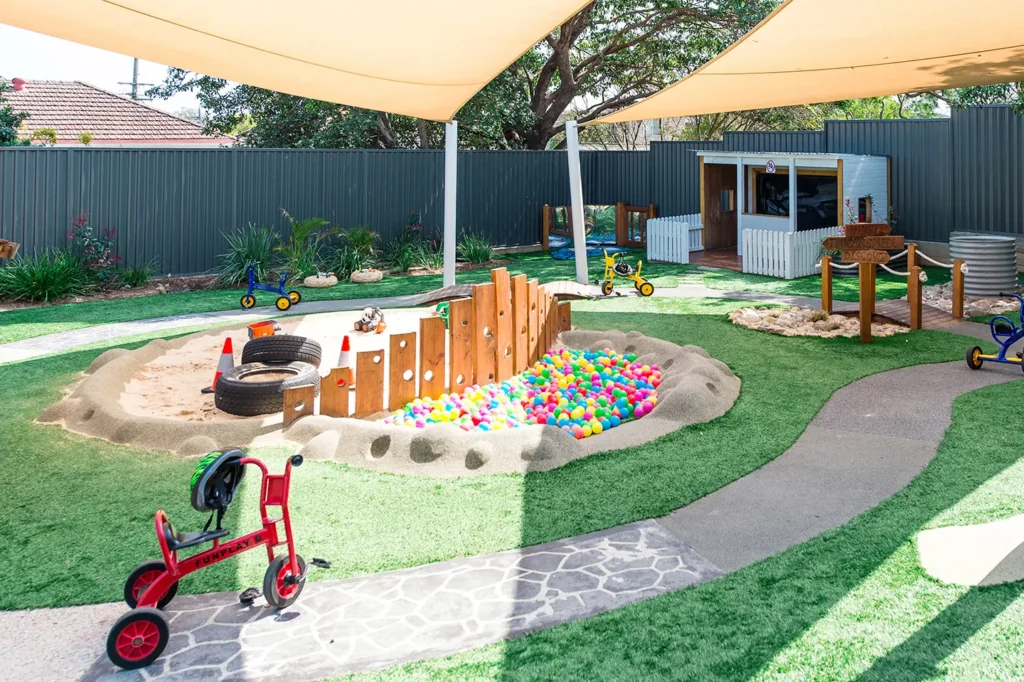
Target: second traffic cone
x: 226, y: 362
x: 345, y: 361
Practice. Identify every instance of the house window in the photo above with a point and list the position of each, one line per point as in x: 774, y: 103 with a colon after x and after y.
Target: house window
x: 817, y: 196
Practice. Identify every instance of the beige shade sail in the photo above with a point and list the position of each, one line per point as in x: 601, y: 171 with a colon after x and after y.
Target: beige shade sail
x: 423, y: 58
x: 810, y: 51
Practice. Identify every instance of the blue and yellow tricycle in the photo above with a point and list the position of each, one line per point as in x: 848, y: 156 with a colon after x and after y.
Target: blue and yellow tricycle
x: 1005, y: 333
x: 285, y: 299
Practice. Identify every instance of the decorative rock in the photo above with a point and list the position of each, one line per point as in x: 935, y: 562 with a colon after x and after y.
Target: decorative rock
x: 367, y: 276
x: 941, y: 296
x: 807, y: 322
x: 320, y: 281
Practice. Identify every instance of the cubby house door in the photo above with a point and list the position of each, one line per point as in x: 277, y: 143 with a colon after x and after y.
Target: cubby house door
x: 720, y: 206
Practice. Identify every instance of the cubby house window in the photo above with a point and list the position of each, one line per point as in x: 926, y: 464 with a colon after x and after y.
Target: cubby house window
x: 817, y: 196
x: 727, y: 200
x: 864, y: 210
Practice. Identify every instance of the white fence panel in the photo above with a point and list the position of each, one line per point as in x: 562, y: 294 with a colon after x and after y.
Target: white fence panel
x: 785, y: 255
x: 672, y: 238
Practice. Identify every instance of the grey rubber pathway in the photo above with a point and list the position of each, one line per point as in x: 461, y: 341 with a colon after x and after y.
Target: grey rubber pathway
x: 868, y: 442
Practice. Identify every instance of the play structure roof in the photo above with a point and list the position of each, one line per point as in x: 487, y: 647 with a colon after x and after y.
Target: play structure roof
x: 412, y: 57
x: 810, y: 51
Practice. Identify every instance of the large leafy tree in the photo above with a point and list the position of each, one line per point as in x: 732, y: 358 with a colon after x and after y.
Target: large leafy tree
x: 10, y: 122
x: 609, y: 55
x: 1002, y: 93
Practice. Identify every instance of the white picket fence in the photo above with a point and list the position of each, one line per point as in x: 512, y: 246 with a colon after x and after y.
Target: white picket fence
x: 783, y: 254
x: 671, y: 239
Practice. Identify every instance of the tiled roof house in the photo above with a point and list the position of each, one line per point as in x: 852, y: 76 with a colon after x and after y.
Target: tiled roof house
x: 72, y: 108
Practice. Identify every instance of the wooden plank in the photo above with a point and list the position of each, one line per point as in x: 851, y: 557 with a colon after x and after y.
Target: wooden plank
x: 369, y: 382
x: 862, y: 243
x: 520, y: 324
x: 503, y: 333
x: 533, y: 300
x: 865, y: 307
x: 334, y: 393
x: 298, y: 403
x: 866, y: 256
x: 867, y: 230
x: 432, y: 356
x: 564, y: 316
x: 914, y: 296
x: 402, y: 370
x: 460, y: 327
x: 911, y: 255
x: 826, y: 284
x: 958, y: 288
x: 484, y: 344
x: 542, y: 322
x: 552, y: 325
x: 546, y: 227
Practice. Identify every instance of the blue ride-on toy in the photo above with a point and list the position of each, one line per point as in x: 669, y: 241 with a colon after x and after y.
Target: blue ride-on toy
x: 285, y: 299
x: 1005, y: 333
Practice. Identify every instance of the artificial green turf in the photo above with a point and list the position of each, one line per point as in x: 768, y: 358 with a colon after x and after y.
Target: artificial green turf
x: 843, y: 288
x: 851, y: 604
x: 16, y: 325
x: 77, y: 511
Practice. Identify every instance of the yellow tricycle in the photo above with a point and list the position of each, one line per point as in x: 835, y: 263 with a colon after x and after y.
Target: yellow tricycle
x: 614, y: 268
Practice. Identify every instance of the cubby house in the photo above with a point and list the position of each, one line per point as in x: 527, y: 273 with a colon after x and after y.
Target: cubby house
x: 740, y: 190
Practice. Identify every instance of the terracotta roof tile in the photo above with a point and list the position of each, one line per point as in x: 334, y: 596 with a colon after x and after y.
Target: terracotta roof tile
x: 73, y: 107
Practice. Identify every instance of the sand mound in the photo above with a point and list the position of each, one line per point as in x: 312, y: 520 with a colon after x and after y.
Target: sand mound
x: 695, y: 388
x: 798, y: 321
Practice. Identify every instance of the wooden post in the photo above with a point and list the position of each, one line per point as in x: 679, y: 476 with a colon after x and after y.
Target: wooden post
x: 520, y: 324
x: 432, y: 356
x: 484, y: 341
x: 621, y: 228
x: 503, y: 330
x: 958, y: 288
x: 564, y: 316
x: 533, y: 320
x: 298, y: 403
x: 334, y: 393
x: 914, y: 296
x: 826, y: 284
x: 369, y: 382
x: 866, y: 301
x: 402, y: 370
x: 652, y: 212
x: 546, y: 227
x: 460, y: 328
x: 911, y: 256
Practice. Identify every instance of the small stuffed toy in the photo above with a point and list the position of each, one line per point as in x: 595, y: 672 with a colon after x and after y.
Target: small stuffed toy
x: 371, y: 321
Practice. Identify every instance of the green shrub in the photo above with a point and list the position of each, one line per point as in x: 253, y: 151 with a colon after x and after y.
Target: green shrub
x: 302, y: 251
x: 475, y: 248
x: 47, y: 277
x: 136, y: 276
x: 305, y: 259
x: 430, y: 254
x: 400, y: 255
x: 250, y: 246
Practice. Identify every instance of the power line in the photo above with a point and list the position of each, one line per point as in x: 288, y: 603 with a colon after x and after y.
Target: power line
x: 134, y: 83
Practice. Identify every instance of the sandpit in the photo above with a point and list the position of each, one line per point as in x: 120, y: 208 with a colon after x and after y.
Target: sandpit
x: 985, y: 554
x: 798, y: 321
x: 151, y: 398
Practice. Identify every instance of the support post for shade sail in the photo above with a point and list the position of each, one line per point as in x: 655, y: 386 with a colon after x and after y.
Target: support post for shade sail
x: 451, y: 172
x: 579, y: 228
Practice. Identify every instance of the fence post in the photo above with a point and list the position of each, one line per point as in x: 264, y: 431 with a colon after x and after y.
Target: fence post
x: 914, y: 296
x: 958, y: 288
x: 620, y: 224
x: 546, y: 223
x: 826, y: 284
x: 787, y: 254
x: 866, y: 273
x: 911, y: 256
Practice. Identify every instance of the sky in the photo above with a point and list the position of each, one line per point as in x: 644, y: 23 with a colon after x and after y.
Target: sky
x: 33, y: 56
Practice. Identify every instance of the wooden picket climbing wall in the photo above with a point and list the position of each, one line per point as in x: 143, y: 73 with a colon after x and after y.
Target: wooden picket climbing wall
x: 432, y: 356
x: 484, y: 345
x: 542, y: 321
x: 460, y: 324
x: 520, y: 324
x: 402, y: 370
x: 533, y: 299
x: 564, y: 316
x: 369, y: 382
x: 503, y: 334
x: 334, y: 393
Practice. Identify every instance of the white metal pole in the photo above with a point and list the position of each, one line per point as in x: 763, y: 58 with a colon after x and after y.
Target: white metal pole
x: 792, y: 195
x: 579, y: 229
x: 741, y: 203
x: 451, y: 174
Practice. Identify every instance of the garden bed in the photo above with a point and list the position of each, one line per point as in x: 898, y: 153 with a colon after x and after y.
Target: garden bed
x: 798, y: 321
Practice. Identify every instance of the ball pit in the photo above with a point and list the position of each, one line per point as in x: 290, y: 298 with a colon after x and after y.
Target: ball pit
x: 584, y: 393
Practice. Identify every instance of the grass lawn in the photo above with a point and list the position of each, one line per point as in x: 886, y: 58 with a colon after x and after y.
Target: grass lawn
x: 843, y: 288
x: 16, y: 325
x: 78, y: 511
x: 851, y: 604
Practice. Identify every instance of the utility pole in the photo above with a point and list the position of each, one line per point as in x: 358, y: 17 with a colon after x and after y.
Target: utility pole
x: 134, y: 93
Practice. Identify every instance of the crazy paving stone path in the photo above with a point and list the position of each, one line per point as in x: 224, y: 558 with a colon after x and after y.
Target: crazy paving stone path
x: 376, y: 621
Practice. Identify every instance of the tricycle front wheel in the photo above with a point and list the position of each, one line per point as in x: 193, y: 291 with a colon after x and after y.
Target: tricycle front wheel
x: 141, y: 578
x: 974, y: 360
x: 138, y: 638
x: 247, y: 301
x: 278, y: 590
x: 294, y: 296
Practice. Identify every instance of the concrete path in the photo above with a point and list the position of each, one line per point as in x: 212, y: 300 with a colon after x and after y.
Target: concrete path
x: 868, y: 442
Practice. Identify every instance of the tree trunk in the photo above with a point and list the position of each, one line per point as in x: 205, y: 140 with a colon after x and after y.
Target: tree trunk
x: 423, y: 135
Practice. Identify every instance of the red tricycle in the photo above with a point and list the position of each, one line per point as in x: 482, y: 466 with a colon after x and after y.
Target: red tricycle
x: 139, y: 636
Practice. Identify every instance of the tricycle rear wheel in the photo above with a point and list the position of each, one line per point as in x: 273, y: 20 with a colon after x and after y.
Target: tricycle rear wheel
x: 974, y: 360
x: 294, y: 296
x: 141, y: 578
x: 278, y: 591
x: 247, y: 301
x: 138, y: 638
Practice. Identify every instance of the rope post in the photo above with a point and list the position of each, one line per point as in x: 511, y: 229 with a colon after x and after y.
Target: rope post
x: 911, y: 257
x: 867, y: 299
x: 958, y: 288
x: 826, y: 284
x: 914, y: 296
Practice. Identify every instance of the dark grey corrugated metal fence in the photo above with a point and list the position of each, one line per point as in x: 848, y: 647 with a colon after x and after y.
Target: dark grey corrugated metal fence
x: 802, y: 141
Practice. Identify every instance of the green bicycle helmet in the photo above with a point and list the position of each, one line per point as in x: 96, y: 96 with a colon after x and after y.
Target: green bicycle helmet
x: 216, y: 478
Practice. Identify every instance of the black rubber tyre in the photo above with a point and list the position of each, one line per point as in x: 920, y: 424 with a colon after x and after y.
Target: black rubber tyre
x: 276, y: 591
x: 283, y: 348
x: 646, y: 289
x: 283, y: 303
x: 973, y: 361
x: 606, y: 287
x: 138, y: 638
x: 247, y: 301
x: 295, y: 296
x: 241, y: 392
x: 139, y: 579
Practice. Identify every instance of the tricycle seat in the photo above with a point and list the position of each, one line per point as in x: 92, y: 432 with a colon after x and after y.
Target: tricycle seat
x: 176, y: 540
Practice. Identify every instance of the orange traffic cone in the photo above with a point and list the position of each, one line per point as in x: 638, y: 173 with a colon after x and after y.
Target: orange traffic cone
x: 226, y: 362
x: 345, y: 361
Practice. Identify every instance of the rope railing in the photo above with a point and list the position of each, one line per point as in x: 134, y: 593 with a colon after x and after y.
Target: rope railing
x: 922, y: 254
